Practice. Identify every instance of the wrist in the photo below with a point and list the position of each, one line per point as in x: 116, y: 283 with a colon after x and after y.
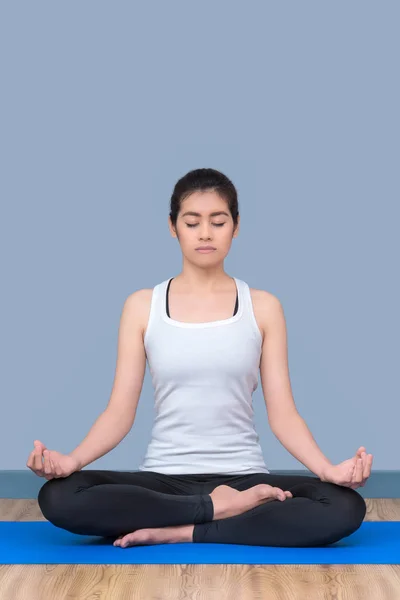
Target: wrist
x: 78, y: 461
x: 324, y: 471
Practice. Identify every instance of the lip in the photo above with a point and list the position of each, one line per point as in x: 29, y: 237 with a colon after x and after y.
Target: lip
x: 205, y: 249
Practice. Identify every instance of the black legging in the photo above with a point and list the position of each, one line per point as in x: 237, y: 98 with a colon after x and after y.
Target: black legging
x: 114, y: 503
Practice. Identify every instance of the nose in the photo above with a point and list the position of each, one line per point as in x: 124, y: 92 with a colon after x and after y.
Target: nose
x: 205, y: 233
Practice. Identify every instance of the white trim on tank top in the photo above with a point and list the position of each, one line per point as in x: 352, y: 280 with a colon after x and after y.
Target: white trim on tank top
x: 232, y: 319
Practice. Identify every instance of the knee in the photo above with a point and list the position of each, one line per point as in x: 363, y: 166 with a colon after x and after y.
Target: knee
x: 54, y: 499
x: 49, y: 498
x: 348, y: 512
x: 354, y: 507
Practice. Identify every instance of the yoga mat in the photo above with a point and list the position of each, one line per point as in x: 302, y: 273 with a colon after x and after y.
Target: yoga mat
x: 41, y: 542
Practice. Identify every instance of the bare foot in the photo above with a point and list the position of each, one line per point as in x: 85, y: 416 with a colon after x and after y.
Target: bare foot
x: 156, y: 535
x: 229, y: 502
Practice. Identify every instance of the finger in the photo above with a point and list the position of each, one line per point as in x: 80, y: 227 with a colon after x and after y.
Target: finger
x: 369, y: 459
x: 29, y: 462
x: 352, y: 470
x: 38, y: 459
x: 357, y: 475
x: 52, y: 469
x: 350, y: 479
x: 125, y: 541
x: 359, y: 452
x: 367, y: 468
x: 356, y: 481
x: 47, y: 465
x: 55, y: 468
x: 360, y: 470
x: 279, y: 493
x: 364, y: 463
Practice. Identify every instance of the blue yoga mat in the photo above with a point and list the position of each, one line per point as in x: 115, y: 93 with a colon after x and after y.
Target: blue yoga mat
x: 40, y: 542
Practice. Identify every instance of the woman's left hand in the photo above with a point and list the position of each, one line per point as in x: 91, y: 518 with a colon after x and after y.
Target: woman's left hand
x: 352, y: 473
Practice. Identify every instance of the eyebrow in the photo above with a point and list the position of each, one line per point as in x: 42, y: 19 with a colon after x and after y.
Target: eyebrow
x: 213, y: 214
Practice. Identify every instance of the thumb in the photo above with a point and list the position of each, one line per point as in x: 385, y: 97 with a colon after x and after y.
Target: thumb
x: 37, y: 443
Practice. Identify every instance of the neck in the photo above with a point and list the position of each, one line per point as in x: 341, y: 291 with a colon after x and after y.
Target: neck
x: 203, y: 281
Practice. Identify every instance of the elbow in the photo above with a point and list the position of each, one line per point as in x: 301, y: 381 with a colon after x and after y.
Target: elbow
x: 122, y: 421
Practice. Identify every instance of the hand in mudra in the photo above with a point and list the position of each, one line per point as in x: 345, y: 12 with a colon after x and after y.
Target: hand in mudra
x: 352, y: 473
x: 54, y: 465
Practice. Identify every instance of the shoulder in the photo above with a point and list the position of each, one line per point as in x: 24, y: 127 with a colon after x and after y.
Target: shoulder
x: 139, y: 302
x: 266, y: 307
x: 265, y: 300
x: 139, y: 298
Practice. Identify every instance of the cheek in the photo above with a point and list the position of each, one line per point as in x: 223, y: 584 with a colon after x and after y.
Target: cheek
x: 228, y: 237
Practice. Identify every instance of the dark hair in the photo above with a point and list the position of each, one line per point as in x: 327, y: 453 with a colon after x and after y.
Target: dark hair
x: 204, y: 180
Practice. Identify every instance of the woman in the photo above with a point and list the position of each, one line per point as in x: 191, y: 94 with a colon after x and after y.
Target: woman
x: 203, y: 479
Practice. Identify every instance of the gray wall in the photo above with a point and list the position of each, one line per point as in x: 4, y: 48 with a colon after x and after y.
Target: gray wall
x: 104, y: 107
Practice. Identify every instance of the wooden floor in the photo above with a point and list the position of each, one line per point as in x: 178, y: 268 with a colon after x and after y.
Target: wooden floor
x: 198, y: 582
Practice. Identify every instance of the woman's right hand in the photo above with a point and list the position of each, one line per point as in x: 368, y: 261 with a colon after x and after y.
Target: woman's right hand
x: 55, y: 464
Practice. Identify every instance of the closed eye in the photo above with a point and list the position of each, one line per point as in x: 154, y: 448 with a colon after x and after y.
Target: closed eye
x: 195, y: 224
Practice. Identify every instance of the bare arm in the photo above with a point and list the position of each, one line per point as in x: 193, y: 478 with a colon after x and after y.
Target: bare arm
x: 274, y: 368
x: 296, y: 437
x: 285, y: 421
x: 107, y: 432
x: 115, y: 422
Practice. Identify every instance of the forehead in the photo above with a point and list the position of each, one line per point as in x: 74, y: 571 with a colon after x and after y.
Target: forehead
x: 207, y: 203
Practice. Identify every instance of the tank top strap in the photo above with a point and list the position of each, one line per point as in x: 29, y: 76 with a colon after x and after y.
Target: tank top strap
x: 248, y: 307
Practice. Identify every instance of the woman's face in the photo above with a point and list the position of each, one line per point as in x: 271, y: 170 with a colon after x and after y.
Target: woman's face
x: 204, y: 228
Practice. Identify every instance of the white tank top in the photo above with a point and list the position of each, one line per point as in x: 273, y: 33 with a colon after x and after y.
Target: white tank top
x: 204, y: 376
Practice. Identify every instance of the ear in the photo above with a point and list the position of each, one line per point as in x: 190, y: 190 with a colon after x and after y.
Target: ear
x: 237, y: 227
x: 172, y: 229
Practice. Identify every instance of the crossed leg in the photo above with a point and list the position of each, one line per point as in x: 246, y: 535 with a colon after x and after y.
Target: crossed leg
x: 319, y: 513
x: 115, y: 503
